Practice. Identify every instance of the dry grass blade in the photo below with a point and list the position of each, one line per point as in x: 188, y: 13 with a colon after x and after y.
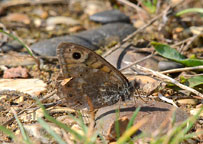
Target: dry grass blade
x: 136, y: 62
x: 158, y: 74
x: 131, y: 131
x: 24, y: 134
x: 182, y: 69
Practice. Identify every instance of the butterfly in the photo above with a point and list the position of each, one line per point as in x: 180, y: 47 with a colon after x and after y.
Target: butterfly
x: 85, y: 75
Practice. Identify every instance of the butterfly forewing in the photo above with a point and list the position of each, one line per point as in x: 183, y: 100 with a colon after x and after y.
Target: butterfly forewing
x: 92, y: 76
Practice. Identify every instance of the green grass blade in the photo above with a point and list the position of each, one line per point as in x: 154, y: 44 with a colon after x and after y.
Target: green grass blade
x: 117, y: 127
x: 102, y: 139
x: 133, y: 117
x: 81, y: 123
x: 24, y: 45
x: 192, y: 135
x: 190, y: 10
x: 24, y: 134
x: 50, y: 131
x: 181, y: 131
x: 61, y: 125
x: 128, y: 133
x: 7, y: 131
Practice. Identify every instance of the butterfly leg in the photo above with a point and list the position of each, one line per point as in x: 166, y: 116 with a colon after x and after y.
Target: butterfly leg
x: 91, y: 108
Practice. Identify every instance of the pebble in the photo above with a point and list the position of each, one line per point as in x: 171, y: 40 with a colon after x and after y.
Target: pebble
x: 195, y: 111
x: 187, y: 101
x: 167, y: 65
x: 27, y: 86
x: 13, y: 45
x: 18, y: 72
x: 48, y: 47
x: 16, y: 59
x: 155, y: 112
x: 110, y: 16
x: 92, y: 39
x: 18, y: 17
x: 61, y: 20
x: 121, y: 58
x: 40, y: 134
x: 94, y: 6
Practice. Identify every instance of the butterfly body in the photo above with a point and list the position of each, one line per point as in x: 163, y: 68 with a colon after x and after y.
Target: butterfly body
x: 91, y: 77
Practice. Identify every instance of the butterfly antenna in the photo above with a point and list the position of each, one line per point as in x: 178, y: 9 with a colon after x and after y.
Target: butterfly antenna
x: 140, y: 96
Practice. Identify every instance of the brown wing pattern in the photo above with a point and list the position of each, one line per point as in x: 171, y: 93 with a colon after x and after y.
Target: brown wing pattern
x: 91, y: 75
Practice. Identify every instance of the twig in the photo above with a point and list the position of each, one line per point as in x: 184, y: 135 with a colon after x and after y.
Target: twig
x: 163, y: 98
x: 111, y: 50
x: 182, y: 69
x: 131, y: 5
x: 158, y: 74
x: 183, y: 41
x: 188, y: 44
x: 34, y: 104
x: 138, y: 9
x: 138, y: 61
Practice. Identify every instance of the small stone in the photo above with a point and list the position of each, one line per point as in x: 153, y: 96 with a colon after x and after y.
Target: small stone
x: 13, y: 45
x: 41, y: 13
x: 28, y: 86
x: 123, y: 123
x: 200, y: 135
x: 138, y: 23
x: 121, y: 58
x: 16, y: 59
x: 167, y: 65
x: 75, y: 29
x: 66, y: 119
x: 77, y: 129
x: 156, y: 113
x: 146, y: 83
x: 195, y: 111
x: 48, y: 47
x: 37, y: 22
x: 92, y: 39
x: 92, y: 7
x: 187, y: 101
x: 110, y: 16
x: 61, y: 20
x: 39, y: 133
x: 18, y: 17
x: 196, y: 30
x: 18, y: 72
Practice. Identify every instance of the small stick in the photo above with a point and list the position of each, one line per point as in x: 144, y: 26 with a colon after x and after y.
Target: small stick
x: 183, y: 41
x: 138, y: 9
x: 158, y: 74
x: 136, y: 62
x: 182, y: 69
x: 182, y: 49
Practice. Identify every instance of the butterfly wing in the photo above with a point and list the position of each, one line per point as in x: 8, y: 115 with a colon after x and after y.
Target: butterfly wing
x: 91, y: 76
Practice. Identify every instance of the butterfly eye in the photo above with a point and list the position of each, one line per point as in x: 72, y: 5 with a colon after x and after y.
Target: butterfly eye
x: 76, y: 55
